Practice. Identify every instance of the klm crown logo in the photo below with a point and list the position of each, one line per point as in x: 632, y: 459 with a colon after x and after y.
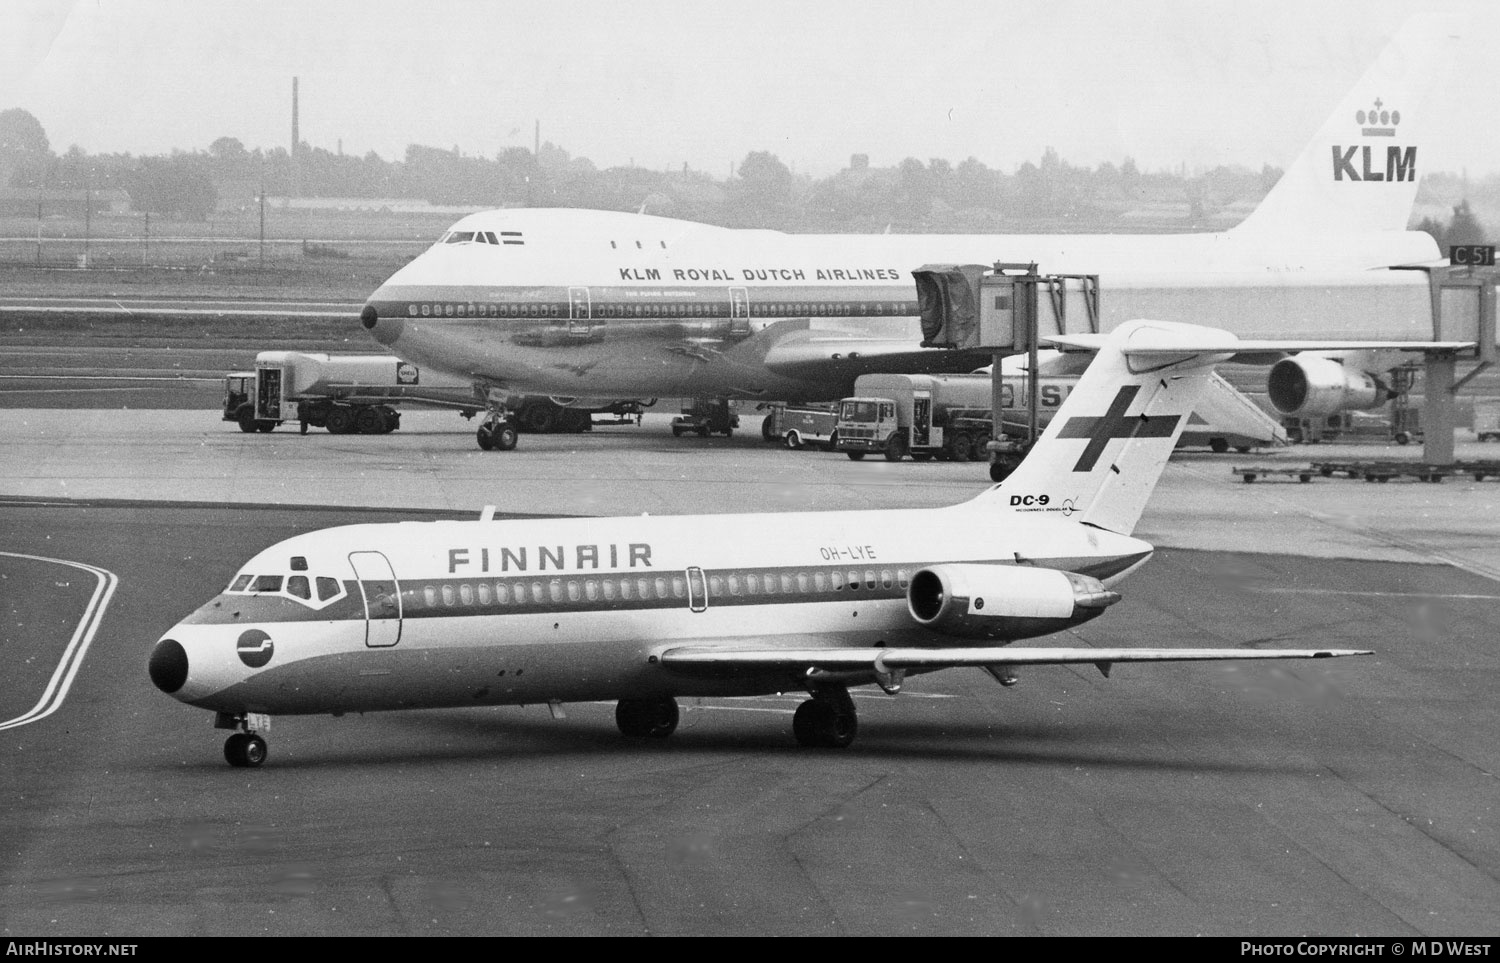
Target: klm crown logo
x: 1400, y: 162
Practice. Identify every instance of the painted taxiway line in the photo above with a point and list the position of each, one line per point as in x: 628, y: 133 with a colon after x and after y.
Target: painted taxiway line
x: 78, y: 646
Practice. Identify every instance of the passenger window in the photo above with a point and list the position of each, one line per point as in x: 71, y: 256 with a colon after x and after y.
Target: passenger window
x: 555, y: 590
x: 591, y: 590
x: 466, y: 594
x: 483, y: 591
x: 502, y: 593
x: 885, y: 578
x: 752, y: 583
x: 574, y: 592
x: 266, y: 583
x: 853, y: 580
x: 820, y: 579
x: 643, y: 588
x: 679, y: 587
x: 903, y: 577
x: 870, y: 579
x: 804, y: 584
x: 448, y: 596
x: 538, y: 593
x: 661, y: 587
x: 297, y: 587
x: 624, y: 588
x: 429, y: 594
x: 607, y: 589
x: 715, y: 585
x: 734, y: 584
x: 786, y: 584
x: 328, y: 588
x: 837, y: 578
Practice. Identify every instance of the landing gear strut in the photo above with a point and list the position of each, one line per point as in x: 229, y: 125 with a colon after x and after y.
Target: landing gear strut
x: 656, y: 718
x: 827, y: 720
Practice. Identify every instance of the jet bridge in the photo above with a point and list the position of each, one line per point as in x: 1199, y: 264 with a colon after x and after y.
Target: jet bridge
x: 1008, y: 308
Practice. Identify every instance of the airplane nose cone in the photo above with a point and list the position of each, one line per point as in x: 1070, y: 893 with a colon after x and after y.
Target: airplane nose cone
x: 386, y: 330
x: 168, y: 666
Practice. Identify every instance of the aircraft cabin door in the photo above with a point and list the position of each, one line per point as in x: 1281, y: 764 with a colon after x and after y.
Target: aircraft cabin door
x: 579, y: 316
x: 697, y: 590
x: 382, y: 596
x: 739, y: 313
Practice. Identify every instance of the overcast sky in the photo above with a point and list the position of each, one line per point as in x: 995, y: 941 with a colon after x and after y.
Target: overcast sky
x: 666, y: 82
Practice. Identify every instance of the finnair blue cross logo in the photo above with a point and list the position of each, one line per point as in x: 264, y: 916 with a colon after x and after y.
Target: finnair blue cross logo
x: 1114, y: 424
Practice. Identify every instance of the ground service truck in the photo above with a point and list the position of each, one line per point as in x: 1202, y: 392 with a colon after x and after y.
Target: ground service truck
x: 343, y: 393
x: 359, y: 393
x: 948, y: 416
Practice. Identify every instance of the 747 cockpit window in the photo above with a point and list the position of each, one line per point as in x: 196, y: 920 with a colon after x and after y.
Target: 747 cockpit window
x: 458, y: 237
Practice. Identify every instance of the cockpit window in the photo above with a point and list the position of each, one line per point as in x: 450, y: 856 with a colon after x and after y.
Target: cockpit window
x: 490, y: 236
x: 296, y: 587
x: 458, y: 237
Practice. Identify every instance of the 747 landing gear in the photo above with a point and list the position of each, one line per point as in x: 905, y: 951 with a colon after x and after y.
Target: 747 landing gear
x: 827, y: 720
x: 497, y: 434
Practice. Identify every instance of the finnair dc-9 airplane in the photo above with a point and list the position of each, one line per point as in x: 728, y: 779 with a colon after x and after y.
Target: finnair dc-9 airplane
x: 646, y: 610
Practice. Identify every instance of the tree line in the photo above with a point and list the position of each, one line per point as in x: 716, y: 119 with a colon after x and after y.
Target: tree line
x: 762, y: 191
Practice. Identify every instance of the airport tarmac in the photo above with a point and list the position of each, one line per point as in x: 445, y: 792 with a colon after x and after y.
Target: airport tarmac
x: 1339, y: 798
x: 432, y: 462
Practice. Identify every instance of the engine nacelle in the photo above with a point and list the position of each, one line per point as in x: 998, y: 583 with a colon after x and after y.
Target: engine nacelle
x: 1004, y: 601
x: 1313, y: 386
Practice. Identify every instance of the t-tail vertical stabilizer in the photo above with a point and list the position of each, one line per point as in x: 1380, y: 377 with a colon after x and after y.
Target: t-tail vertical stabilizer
x: 1360, y: 172
x: 1104, y: 451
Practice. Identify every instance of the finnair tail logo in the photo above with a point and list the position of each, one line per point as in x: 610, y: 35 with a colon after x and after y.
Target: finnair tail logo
x: 1114, y: 423
x: 1400, y: 162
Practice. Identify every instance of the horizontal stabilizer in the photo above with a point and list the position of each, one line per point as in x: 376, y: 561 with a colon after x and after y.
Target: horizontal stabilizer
x: 731, y: 659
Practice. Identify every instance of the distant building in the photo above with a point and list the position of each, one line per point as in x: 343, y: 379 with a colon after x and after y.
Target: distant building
x: 64, y: 202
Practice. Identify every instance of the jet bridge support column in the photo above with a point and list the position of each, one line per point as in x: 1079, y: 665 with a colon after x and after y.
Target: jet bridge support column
x: 1439, y: 410
x: 1463, y: 309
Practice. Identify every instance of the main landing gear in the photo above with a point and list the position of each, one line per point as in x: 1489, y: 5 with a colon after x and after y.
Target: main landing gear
x: 245, y: 749
x: 827, y: 720
x: 653, y: 718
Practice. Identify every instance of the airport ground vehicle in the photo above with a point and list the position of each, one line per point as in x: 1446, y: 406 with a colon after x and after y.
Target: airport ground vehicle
x: 345, y: 394
x: 707, y: 416
x: 801, y: 426
x: 925, y: 416
x: 359, y: 393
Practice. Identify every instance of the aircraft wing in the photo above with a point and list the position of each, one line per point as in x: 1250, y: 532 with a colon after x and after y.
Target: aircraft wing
x: 707, y: 659
x: 801, y: 357
x: 1242, y: 351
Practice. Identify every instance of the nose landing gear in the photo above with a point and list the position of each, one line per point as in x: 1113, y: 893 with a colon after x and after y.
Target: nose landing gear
x: 245, y: 749
x: 497, y: 433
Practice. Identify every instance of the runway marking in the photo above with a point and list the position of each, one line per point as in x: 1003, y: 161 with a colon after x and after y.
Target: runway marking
x: 1396, y: 595
x: 78, y: 646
